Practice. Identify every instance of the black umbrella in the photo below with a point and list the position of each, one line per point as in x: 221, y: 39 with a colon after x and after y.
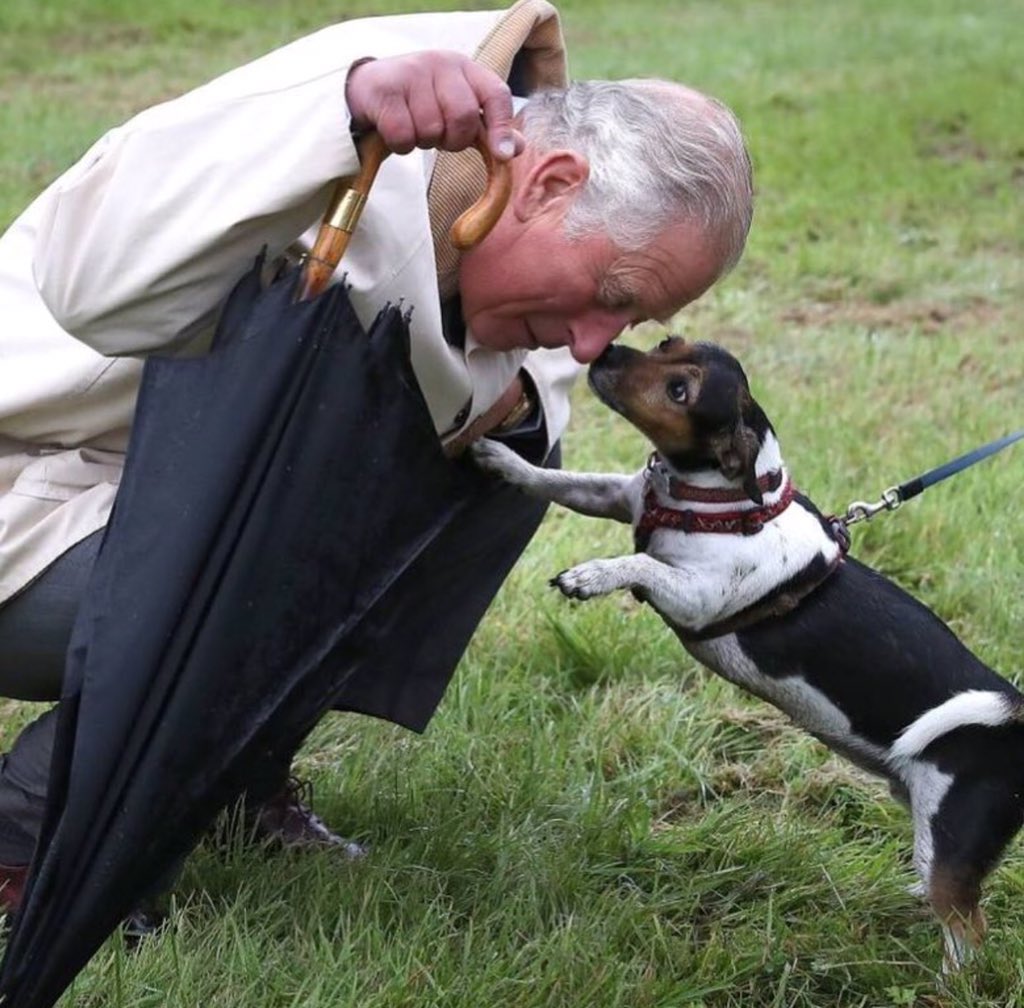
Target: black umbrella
x: 273, y: 490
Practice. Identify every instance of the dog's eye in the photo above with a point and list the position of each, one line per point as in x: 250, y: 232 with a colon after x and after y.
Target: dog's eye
x: 677, y: 390
x: 666, y: 344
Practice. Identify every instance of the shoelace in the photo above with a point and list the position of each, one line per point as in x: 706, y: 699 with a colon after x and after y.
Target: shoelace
x: 298, y: 792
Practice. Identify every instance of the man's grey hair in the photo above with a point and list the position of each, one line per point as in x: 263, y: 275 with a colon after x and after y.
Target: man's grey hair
x: 658, y: 153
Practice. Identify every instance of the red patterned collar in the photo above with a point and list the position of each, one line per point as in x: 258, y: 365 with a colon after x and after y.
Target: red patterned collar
x: 678, y: 490
x: 743, y: 521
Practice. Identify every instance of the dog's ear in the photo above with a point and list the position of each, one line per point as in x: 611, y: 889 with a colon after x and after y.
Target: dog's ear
x: 736, y: 452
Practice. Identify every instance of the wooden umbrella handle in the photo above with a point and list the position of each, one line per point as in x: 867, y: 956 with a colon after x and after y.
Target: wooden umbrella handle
x: 474, y: 224
x: 349, y: 197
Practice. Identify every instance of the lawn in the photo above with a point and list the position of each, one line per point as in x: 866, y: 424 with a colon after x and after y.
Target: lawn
x: 591, y: 819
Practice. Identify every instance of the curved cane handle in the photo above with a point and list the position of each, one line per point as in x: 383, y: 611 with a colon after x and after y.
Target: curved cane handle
x: 474, y: 224
x: 349, y: 197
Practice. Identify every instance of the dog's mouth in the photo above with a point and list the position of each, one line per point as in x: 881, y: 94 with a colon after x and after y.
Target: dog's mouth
x: 604, y: 373
x: 601, y: 387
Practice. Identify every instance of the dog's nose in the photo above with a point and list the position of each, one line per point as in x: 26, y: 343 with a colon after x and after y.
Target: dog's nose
x: 611, y: 355
x: 670, y: 343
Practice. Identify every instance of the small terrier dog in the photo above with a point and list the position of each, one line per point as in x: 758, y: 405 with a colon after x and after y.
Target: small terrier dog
x: 757, y: 586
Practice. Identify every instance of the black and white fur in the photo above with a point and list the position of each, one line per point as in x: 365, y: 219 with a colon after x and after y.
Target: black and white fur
x: 859, y: 663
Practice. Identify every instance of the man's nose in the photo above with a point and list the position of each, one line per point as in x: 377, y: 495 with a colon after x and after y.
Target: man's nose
x: 591, y: 334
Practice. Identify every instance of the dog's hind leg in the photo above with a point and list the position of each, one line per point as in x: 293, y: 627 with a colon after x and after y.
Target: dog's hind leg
x: 974, y: 821
x: 954, y: 893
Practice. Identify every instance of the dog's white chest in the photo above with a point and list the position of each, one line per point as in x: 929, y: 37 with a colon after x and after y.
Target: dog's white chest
x: 722, y: 575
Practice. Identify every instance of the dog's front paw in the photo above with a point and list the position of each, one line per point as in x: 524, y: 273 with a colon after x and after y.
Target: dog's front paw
x: 587, y: 580
x: 500, y: 460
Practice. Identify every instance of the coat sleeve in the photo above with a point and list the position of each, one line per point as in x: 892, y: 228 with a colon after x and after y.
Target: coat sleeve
x: 138, y: 244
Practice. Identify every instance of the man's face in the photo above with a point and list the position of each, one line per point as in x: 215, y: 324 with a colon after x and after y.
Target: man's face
x: 527, y: 285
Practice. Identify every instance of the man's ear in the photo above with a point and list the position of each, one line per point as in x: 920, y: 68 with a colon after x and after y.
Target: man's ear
x: 550, y: 184
x: 736, y: 452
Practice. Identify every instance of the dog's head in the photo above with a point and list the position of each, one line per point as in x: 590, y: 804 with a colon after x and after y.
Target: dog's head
x: 692, y: 401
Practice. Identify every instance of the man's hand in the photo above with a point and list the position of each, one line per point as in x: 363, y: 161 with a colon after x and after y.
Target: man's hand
x: 432, y: 99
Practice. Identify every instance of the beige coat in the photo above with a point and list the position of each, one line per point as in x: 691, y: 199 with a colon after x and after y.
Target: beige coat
x: 134, y: 248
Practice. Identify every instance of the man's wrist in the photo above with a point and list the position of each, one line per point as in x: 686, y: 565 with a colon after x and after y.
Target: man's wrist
x: 359, y: 123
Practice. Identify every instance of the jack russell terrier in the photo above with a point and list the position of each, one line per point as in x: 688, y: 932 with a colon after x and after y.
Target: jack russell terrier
x: 757, y: 586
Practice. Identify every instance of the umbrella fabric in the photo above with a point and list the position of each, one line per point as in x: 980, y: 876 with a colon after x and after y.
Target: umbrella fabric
x: 274, y: 489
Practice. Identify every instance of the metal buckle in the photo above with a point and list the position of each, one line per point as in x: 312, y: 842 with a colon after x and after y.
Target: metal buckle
x: 865, y: 510
x: 751, y: 524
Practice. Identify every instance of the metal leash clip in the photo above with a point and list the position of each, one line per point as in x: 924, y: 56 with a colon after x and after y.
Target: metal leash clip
x: 865, y: 511
x: 897, y: 495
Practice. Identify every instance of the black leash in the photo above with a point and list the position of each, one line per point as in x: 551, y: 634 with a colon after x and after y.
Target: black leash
x: 895, y: 496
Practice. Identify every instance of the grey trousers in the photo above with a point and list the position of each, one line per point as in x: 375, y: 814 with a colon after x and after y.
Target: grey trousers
x: 442, y: 603
x: 34, y: 630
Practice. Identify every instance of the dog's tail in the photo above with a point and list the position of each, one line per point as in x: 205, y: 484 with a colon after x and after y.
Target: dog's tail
x: 972, y: 707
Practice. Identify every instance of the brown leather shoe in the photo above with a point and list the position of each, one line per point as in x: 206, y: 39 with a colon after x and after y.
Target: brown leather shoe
x: 142, y: 923
x: 12, y: 887
x: 139, y: 924
x: 285, y: 819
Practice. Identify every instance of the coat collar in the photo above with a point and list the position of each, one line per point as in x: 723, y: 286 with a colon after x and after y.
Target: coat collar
x: 529, y: 36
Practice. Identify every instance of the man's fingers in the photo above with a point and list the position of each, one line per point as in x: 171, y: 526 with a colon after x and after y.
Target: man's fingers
x: 459, y: 107
x: 428, y: 117
x: 433, y: 99
x: 395, y: 124
x: 494, y: 99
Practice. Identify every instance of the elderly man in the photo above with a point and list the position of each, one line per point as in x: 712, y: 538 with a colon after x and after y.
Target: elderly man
x: 628, y: 201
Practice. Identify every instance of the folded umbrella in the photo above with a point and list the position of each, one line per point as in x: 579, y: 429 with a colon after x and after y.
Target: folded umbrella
x: 273, y: 490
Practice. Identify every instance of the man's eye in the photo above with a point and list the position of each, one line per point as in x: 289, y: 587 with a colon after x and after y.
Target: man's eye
x: 677, y: 391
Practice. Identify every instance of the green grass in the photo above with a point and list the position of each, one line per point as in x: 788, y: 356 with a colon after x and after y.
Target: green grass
x: 591, y: 819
